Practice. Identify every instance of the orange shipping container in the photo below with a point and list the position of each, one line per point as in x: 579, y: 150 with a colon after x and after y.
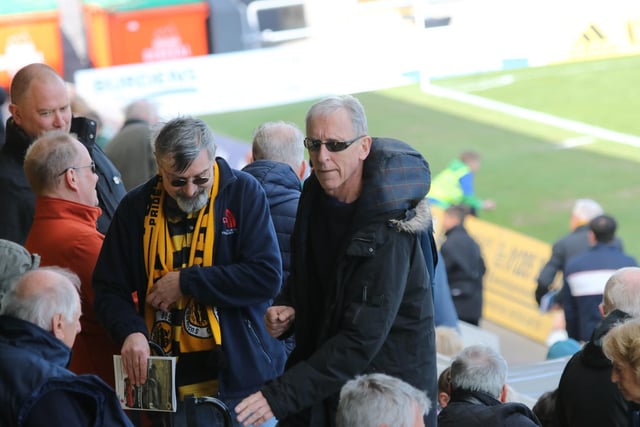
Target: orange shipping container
x: 28, y: 36
x: 116, y: 37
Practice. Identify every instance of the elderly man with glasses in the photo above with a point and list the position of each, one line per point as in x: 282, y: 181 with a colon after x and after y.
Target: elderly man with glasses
x: 358, y: 298
x: 197, y: 245
x: 63, y: 178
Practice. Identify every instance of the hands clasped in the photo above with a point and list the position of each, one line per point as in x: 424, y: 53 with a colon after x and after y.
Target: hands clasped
x: 165, y: 291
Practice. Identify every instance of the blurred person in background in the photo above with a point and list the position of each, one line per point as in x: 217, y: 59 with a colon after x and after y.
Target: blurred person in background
x: 586, y: 275
x: 455, y: 185
x: 570, y: 245
x: 131, y: 149
x: 464, y: 264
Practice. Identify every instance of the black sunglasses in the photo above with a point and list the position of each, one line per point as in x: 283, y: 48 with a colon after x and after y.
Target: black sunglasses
x: 333, y: 146
x: 92, y: 166
x: 198, y: 180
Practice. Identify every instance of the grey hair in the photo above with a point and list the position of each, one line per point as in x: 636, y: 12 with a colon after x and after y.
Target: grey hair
x: 53, y: 296
x: 622, y: 292
x: 47, y: 158
x: 587, y: 209
x: 279, y: 141
x: 334, y: 103
x: 479, y: 368
x: 374, y: 399
x: 141, y: 109
x: 182, y: 140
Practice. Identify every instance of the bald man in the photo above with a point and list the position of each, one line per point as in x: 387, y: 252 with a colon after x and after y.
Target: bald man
x: 39, y: 321
x: 39, y: 104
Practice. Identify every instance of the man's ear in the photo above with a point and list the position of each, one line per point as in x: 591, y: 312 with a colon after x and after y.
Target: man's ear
x: 57, y: 323
x: 71, y: 180
x: 503, y: 393
x: 302, y: 169
x: 15, y: 113
x: 365, y: 146
x: 601, y: 310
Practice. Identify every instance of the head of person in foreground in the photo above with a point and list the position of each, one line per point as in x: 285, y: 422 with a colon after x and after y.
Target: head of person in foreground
x: 380, y: 400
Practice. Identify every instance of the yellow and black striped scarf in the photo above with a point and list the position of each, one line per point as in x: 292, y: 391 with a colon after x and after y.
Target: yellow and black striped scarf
x: 187, y: 325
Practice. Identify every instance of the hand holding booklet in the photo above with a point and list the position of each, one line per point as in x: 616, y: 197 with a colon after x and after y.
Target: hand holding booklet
x: 157, y: 394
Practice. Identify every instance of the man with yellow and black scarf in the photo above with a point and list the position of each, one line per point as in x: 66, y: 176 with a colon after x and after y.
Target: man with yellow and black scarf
x: 197, y: 245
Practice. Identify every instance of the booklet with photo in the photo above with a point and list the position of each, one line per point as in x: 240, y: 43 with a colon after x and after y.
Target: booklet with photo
x: 157, y: 394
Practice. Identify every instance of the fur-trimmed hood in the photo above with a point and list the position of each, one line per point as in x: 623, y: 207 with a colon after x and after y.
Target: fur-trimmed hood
x: 417, y: 220
x: 396, y: 179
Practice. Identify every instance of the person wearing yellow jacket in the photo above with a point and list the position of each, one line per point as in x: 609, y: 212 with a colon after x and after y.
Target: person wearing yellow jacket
x: 455, y: 184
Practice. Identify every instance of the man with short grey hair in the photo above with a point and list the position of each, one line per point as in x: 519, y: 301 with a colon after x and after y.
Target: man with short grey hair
x: 39, y: 321
x: 278, y: 164
x: 380, y: 400
x: 197, y: 245
x: 479, y: 392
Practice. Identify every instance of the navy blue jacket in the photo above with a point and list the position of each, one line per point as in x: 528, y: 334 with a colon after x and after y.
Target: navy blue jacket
x: 478, y: 409
x: 244, y: 278
x: 283, y: 188
x: 379, y: 314
x: 36, y: 389
x: 586, y: 396
x: 586, y: 275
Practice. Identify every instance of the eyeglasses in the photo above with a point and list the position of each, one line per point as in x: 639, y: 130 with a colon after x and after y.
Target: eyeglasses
x: 181, y: 182
x: 333, y: 146
x: 198, y: 180
x: 92, y: 166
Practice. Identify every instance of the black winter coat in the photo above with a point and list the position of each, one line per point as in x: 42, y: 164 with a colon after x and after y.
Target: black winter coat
x: 378, y: 317
x: 476, y: 409
x: 586, y: 395
x: 465, y: 271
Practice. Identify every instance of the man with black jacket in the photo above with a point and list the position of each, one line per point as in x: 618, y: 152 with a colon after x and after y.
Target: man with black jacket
x: 358, y: 298
x: 479, y: 392
x: 586, y: 395
x: 40, y: 103
x: 464, y: 264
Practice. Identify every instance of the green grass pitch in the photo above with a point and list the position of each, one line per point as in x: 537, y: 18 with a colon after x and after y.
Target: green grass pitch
x: 527, y: 166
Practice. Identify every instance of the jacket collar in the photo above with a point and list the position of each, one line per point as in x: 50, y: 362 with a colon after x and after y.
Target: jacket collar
x: 17, y: 141
x: 20, y: 333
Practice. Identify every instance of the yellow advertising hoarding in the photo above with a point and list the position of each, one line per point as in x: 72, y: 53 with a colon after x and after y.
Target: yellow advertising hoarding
x: 513, y: 262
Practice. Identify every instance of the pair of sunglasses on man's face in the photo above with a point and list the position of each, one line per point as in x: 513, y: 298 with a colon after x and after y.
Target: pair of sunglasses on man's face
x: 198, y: 180
x: 332, y: 146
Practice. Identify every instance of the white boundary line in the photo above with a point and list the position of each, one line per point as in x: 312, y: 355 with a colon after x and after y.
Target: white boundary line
x: 536, y: 116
